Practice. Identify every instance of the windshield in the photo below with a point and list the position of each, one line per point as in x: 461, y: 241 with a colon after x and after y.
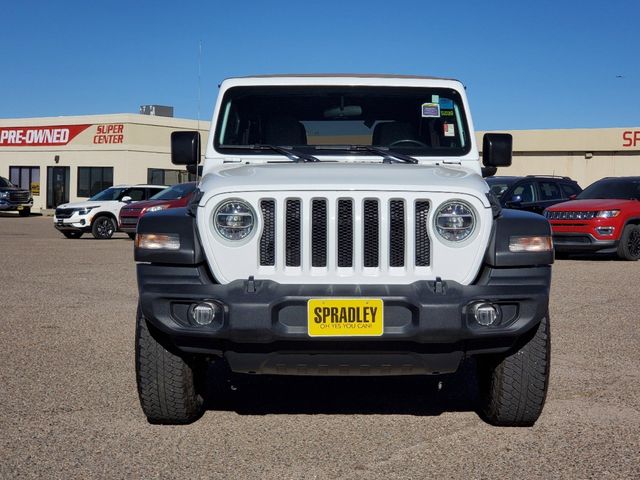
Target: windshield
x: 498, y: 185
x: 108, y: 194
x: 5, y: 183
x: 614, y: 188
x: 414, y: 121
x: 175, y: 192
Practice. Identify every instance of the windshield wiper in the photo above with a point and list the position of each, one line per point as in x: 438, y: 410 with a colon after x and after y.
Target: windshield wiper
x: 288, y: 152
x: 388, y: 155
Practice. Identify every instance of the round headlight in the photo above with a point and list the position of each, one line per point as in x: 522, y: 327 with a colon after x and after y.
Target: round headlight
x: 234, y: 220
x: 455, y: 221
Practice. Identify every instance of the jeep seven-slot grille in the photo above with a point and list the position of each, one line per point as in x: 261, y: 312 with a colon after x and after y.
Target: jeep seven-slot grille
x: 292, y: 233
x: 371, y: 241
x: 319, y: 233
x: 423, y: 244
x: 268, y: 238
x: 397, y: 233
x: 381, y: 235
x: 345, y: 233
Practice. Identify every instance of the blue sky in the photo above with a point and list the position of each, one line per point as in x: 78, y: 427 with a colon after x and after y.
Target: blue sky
x: 541, y: 64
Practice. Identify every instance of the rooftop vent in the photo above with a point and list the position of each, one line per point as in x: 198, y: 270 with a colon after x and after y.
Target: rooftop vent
x: 157, y: 110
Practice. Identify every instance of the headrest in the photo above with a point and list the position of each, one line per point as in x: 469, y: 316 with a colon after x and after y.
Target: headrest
x: 389, y: 132
x: 284, y: 131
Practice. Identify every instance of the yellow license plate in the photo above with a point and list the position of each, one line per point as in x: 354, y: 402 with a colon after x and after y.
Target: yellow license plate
x: 345, y: 317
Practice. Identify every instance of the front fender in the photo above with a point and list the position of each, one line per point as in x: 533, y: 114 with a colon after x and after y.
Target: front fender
x: 517, y: 223
x: 175, y: 221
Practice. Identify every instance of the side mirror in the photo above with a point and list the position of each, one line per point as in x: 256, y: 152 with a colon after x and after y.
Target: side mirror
x: 516, y: 200
x: 489, y: 171
x: 126, y: 199
x: 185, y: 148
x: 195, y: 169
x: 497, y: 149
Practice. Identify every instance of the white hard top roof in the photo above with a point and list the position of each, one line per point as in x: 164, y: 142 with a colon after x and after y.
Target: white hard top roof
x: 342, y: 75
x: 344, y: 79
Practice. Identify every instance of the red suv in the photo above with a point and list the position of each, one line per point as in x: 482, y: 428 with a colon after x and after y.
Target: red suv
x: 173, y: 197
x: 604, y: 218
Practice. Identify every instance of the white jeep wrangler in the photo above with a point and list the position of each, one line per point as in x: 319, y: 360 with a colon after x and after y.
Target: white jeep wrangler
x: 342, y: 227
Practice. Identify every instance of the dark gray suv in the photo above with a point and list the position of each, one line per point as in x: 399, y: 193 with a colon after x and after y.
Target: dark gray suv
x: 533, y: 193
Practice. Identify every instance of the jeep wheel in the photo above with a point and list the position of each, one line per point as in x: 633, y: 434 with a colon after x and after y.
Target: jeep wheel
x: 72, y: 234
x: 103, y: 227
x: 166, y: 381
x: 132, y: 235
x: 629, y: 246
x: 513, y: 388
x: 25, y: 212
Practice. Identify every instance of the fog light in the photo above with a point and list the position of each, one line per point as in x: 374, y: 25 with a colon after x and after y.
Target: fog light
x: 204, y: 313
x: 486, y: 314
x: 605, y: 230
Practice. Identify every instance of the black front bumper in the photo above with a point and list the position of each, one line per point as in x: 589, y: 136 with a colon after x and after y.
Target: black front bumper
x: 8, y: 206
x: 428, y: 326
x: 582, y: 243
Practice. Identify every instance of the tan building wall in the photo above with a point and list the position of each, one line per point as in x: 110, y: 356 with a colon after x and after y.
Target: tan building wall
x: 130, y: 144
x: 586, y: 155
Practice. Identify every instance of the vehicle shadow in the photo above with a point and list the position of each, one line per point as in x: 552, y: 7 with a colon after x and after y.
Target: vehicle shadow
x: 410, y: 395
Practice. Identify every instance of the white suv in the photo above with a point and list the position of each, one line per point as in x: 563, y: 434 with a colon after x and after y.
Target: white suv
x: 99, y: 214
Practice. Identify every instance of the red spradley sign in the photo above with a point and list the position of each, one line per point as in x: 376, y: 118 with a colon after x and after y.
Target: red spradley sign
x: 46, y: 136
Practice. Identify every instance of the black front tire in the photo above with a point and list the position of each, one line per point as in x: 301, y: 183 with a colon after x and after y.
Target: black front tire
x: 629, y: 246
x: 103, y: 227
x: 72, y: 234
x: 513, y: 388
x: 25, y: 212
x: 167, y: 382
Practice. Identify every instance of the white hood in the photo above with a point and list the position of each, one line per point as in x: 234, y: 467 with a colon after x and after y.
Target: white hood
x: 345, y: 177
x: 85, y: 204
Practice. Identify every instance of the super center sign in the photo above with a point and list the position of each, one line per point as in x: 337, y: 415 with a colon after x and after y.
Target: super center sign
x: 58, y: 135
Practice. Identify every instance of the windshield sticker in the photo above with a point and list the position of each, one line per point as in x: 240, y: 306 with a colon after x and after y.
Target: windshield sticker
x: 446, y: 113
x: 446, y: 104
x: 435, y: 98
x: 430, y: 110
x: 449, y: 130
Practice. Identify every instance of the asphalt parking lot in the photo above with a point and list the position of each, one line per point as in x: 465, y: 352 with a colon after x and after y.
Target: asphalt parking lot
x: 70, y: 407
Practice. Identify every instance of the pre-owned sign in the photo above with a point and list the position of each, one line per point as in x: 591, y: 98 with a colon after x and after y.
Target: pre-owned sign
x: 39, y: 136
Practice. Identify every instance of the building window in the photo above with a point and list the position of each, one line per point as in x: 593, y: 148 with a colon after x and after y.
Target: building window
x: 92, y: 180
x: 158, y: 176
x: 27, y: 178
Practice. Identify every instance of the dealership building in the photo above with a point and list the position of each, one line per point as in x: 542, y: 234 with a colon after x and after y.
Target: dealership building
x: 62, y: 159
x: 66, y: 159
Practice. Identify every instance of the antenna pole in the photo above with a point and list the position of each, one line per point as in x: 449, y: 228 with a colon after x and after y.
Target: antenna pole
x: 199, y: 77
x: 199, y: 95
